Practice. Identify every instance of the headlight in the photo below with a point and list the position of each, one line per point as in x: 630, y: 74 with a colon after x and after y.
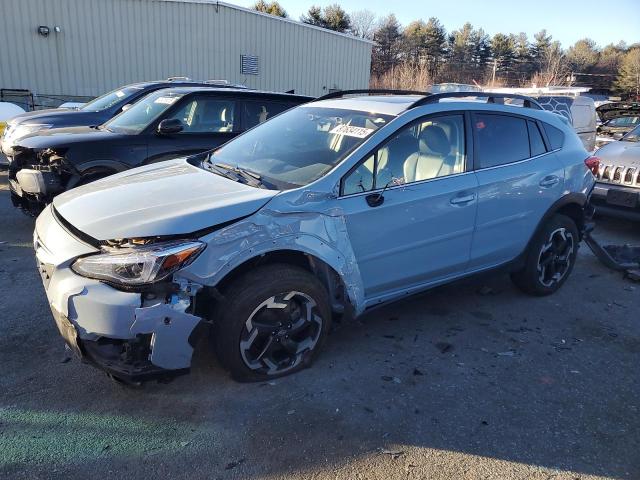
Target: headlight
x: 138, y: 265
x: 15, y: 132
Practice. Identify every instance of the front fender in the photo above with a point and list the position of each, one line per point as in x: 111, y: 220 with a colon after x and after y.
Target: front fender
x: 319, y: 235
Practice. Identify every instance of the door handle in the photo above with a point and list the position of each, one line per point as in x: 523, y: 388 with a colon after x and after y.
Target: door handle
x: 460, y: 200
x: 549, y: 181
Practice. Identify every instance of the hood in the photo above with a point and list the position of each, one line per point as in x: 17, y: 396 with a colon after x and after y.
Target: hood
x: 608, y: 111
x: 620, y: 153
x: 57, y: 137
x: 168, y: 198
x: 56, y: 116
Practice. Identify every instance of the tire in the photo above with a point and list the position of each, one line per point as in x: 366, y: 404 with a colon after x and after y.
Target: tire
x: 550, y: 258
x: 272, y: 322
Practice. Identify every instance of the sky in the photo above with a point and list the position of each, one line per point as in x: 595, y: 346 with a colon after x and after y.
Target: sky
x: 605, y: 21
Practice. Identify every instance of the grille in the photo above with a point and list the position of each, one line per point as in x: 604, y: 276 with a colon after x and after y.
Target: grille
x: 619, y: 174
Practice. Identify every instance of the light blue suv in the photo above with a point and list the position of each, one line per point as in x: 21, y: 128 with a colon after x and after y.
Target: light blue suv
x: 332, y: 208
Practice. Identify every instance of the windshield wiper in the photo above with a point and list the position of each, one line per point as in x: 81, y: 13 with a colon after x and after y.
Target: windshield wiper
x: 249, y: 176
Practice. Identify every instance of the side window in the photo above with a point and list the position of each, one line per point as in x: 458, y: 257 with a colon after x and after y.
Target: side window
x: 206, y: 115
x: 361, y: 179
x: 256, y: 112
x: 555, y: 136
x: 535, y: 139
x: 500, y: 139
x: 421, y: 151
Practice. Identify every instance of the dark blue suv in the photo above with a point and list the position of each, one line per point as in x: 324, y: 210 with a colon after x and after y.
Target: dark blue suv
x: 96, y: 112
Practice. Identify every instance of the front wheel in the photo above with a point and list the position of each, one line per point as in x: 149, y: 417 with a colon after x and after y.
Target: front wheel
x: 550, y: 258
x: 272, y: 322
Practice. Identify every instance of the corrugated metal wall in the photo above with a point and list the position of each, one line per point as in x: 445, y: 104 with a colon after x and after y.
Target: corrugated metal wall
x: 103, y: 44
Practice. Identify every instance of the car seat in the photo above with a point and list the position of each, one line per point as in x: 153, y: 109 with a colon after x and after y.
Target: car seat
x: 434, y: 158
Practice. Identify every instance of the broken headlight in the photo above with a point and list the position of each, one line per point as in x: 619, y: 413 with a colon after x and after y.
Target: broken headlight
x: 138, y: 265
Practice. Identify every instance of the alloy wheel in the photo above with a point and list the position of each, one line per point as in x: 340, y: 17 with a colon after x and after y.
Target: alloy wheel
x: 555, y: 257
x: 280, y: 332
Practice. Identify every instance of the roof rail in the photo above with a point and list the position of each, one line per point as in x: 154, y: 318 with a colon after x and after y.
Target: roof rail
x: 173, y: 79
x: 224, y: 84
x: 528, y: 102
x: 378, y: 91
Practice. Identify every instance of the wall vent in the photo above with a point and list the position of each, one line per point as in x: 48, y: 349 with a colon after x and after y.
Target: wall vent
x: 249, y: 65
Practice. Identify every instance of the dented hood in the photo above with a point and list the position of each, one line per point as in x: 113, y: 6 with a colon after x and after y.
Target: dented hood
x: 168, y: 198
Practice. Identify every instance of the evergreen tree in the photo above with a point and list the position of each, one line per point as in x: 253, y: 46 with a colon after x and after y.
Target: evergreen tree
x: 435, y: 45
x: 540, y: 48
x: 387, y: 45
x: 335, y: 18
x: 272, y: 8
x: 313, y: 17
x: 332, y: 17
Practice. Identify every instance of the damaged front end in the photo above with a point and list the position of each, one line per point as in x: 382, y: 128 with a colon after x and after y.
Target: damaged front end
x: 120, y: 306
x: 36, y: 176
x: 162, y: 339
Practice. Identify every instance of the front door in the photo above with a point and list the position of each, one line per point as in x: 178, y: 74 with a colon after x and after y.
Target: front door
x: 208, y: 122
x: 410, y: 207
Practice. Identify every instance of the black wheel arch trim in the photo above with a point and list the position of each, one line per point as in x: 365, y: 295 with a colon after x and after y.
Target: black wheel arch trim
x: 579, y: 200
x: 105, y: 164
x: 95, y: 166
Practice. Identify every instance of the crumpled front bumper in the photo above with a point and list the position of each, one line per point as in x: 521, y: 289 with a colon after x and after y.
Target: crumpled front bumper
x: 131, y: 335
x: 31, y: 188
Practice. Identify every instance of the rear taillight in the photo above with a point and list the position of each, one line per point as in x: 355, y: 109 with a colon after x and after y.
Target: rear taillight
x: 593, y: 163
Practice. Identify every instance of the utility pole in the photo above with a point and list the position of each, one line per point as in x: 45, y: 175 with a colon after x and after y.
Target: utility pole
x: 493, y: 75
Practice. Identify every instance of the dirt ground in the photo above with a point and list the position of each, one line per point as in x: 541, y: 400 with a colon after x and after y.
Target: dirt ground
x: 472, y: 380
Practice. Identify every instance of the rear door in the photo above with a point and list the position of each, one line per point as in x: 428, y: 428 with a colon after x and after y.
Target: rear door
x: 519, y: 178
x: 410, y: 207
x: 255, y: 111
x: 208, y: 121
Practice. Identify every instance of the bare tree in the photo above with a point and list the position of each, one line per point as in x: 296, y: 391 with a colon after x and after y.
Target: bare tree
x: 406, y: 76
x: 363, y: 23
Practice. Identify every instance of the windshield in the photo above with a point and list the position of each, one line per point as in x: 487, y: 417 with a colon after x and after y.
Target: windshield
x: 633, y: 135
x: 141, y: 114
x: 300, y: 145
x: 623, y: 122
x: 110, y: 99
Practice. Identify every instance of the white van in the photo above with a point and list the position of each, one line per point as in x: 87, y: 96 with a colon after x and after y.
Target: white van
x: 581, y: 113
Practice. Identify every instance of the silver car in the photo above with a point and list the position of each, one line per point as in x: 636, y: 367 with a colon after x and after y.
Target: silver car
x: 617, y: 191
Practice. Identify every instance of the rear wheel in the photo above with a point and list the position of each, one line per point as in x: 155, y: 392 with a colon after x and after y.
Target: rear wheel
x: 551, y: 257
x: 272, y: 322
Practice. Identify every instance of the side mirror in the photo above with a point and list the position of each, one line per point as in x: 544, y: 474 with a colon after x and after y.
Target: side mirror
x: 127, y: 107
x: 169, y: 126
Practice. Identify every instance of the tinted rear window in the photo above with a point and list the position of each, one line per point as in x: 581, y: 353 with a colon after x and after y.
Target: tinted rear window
x: 555, y: 136
x: 500, y: 139
x: 535, y: 137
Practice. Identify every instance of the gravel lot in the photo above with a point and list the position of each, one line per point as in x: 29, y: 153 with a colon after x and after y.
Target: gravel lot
x: 472, y: 380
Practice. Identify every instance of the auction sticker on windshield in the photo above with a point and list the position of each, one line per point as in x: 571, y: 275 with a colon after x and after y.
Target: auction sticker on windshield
x: 350, y: 131
x: 165, y: 100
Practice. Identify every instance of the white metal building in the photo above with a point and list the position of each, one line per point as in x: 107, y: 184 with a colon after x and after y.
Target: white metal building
x: 87, y: 47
